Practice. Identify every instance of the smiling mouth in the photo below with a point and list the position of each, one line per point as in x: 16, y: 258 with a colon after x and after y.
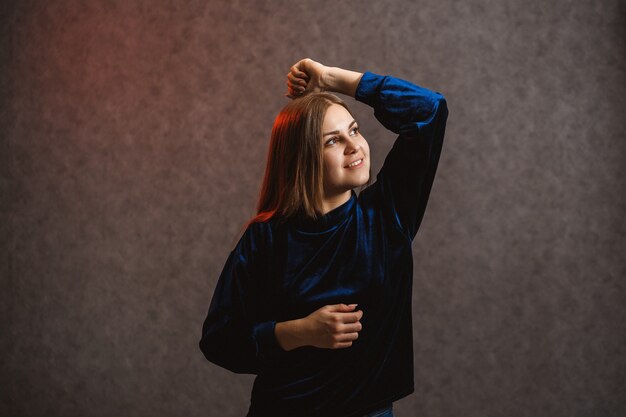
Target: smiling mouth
x: 355, y: 164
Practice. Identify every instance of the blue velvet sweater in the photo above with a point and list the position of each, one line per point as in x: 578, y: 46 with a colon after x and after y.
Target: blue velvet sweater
x: 360, y: 252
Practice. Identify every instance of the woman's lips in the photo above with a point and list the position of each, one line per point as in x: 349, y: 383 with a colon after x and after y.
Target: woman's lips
x: 355, y: 164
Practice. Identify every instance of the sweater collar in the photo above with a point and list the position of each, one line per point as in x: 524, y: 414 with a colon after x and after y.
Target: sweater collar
x: 328, y: 221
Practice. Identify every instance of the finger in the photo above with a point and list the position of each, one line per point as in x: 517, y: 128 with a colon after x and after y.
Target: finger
x: 343, y: 345
x: 350, y: 316
x: 297, y: 72
x: 293, y: 92
x: 296, y: 80
x: 347, y: 337
x: 342, y: 307
x: 294, y: 84
x: 295, y: 89
x: 351, y: 328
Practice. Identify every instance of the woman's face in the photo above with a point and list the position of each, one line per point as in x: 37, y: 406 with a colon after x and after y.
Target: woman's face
x: 346, y: 153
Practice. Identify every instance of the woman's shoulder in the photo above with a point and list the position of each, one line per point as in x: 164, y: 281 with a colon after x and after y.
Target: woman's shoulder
x: 256, y: 237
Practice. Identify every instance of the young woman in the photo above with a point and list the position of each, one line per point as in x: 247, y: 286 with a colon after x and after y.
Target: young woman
x: 285, y: 305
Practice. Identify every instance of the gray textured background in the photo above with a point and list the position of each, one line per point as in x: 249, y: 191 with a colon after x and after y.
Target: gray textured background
x: 133, y: 142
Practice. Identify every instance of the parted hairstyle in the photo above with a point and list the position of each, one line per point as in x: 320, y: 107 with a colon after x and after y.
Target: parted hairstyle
x: 293, y: 180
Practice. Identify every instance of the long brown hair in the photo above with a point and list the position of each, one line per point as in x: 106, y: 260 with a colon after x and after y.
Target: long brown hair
x: 293, y: 181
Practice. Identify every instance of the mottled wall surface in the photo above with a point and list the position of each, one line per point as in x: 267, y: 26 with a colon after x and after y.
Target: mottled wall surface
x: 133, y: 140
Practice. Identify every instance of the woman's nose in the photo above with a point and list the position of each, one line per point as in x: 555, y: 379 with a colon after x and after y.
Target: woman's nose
x: 352, y: 145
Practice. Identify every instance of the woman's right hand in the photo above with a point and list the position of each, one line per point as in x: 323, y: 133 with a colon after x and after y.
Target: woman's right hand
x: 333, y: 326
x: 305, y: 76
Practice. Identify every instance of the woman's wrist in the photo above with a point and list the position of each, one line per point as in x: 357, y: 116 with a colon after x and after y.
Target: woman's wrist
x: 339, y: 80
x: 291, y: 334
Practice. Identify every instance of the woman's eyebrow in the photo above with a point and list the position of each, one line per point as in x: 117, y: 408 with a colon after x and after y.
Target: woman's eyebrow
x: 336, y: 131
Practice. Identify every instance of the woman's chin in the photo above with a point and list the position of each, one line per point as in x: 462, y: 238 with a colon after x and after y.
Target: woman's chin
x: 363, y: 181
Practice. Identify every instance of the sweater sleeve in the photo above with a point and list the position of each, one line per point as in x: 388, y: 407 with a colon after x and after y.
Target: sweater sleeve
x: 419, y: 117
x: 234, y: 336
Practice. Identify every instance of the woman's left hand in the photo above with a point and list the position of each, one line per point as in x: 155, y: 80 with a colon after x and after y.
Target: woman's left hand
x: 305, y: 76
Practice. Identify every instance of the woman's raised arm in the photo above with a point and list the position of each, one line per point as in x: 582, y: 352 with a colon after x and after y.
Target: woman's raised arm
x: 308, y: 76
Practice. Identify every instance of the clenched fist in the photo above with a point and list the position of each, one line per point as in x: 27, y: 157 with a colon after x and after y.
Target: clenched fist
x: 333, y: 326
x: 306, y: 76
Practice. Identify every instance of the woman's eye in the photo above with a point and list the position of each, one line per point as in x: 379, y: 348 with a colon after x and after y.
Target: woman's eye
x: 355, y: 129
x: 331, y: 141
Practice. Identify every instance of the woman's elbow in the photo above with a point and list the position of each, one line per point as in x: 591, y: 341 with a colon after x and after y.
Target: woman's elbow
x: 441, y: 106
x: 227, y: 358
x: 205, y: 349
